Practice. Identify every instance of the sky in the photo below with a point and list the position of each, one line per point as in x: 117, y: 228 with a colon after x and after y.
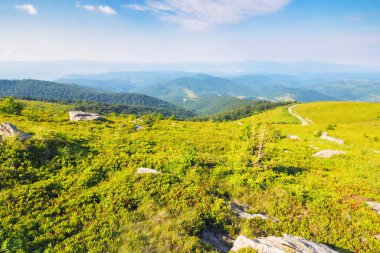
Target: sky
x: 162, y: 31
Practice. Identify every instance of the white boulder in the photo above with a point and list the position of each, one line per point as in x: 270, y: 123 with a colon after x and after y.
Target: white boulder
x: 326, y: 137
x: 147, y: 171
x: 375, y: 206
x: 9, y: 130
x: 293, y: 137
x: 328, y: 153
x: 85, y: 116
x: 284, y: 244
x: 239, y: 210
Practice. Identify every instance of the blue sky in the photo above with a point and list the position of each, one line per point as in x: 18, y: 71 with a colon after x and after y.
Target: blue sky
x: 340, y: 31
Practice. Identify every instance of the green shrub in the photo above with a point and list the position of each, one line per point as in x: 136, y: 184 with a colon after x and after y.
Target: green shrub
x: 10, y: 106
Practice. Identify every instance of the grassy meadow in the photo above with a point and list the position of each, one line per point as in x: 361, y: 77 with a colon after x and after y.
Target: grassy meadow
x: 72, y: 187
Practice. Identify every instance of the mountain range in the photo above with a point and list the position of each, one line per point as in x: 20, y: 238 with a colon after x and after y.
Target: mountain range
x: 184, y: 88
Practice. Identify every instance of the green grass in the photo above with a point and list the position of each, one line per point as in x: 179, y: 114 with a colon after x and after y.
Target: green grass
x: 73, y: 187
x: 341, y: 112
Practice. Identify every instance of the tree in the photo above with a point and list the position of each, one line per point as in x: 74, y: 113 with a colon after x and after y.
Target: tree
x: 11, y: 106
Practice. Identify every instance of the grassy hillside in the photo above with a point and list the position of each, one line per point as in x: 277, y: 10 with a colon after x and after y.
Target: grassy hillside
x: 36, y: 89
x: 73, y: 186
x: 341, y: 112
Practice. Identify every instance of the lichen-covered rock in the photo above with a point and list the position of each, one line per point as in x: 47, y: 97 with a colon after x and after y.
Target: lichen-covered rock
x: 328, y: 153
x: 284, y: 244
x: 86, y: 116
x: 147, y: 171
x: 375, y: 206
x: 9, y: 130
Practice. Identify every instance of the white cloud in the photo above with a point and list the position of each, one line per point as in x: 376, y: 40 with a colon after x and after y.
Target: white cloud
x: 100, y: 8
x: 106, y: 10
x: 202, y: 15
x: 28, y: 8
x: 89, y: 7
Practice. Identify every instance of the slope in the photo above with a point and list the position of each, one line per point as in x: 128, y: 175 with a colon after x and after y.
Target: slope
x: 73, y: 187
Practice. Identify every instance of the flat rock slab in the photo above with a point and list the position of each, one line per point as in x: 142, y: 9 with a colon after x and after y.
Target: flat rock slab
x: 240, y: 211
x: 284, y: 244
x: 326, y: 137
x: 328, y: 153
x: 9, y: 130
x: 84, y: 116
x: 293, y: 137
x: 375, y: 206
x: 147, y: 171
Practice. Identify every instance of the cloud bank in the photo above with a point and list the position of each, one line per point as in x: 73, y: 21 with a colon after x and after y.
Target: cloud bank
x: 198, y: 15
x: 27, y: 8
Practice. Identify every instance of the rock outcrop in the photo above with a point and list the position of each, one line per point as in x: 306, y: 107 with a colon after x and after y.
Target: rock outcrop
x: 293, y: 137
x: 9, y: 130
x: 284, y: 244
x: 326, y: 137
x: 147, y: 171
x: 240, y: 211
x: 220, y: 242
x: 328, y: 153
x: 375, y: 206
x: 85, y: 116
x: 138, y: 127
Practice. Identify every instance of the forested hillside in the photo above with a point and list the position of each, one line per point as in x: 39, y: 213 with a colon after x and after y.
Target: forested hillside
x: 36, y: 89
x: 74, y: 186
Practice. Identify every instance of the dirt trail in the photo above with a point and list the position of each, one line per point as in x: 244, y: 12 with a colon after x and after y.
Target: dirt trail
x: 303, y: 121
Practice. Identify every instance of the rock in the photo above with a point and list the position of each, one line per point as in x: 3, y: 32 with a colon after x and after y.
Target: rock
x: 86, y: 116
x: 314, y: 147
x: 375, y: 206
x: 377, y: 237
x: 220, y: 242
x: 284, y: 244
x: 9, y: 130
x: 239, y: 123
x: 147, y: 171
x: 326, y: 137
x: 328, y: 153
x: 293, y: 137
x: 376, y: 151
x: 239, y: 210
x: 138, y: 127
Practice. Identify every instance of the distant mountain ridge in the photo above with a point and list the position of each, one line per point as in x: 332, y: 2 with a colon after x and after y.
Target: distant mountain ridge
x: 180, y: 87
x: 57, y: 69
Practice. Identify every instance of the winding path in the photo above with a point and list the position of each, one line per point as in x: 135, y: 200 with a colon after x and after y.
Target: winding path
x: 303, y: 121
